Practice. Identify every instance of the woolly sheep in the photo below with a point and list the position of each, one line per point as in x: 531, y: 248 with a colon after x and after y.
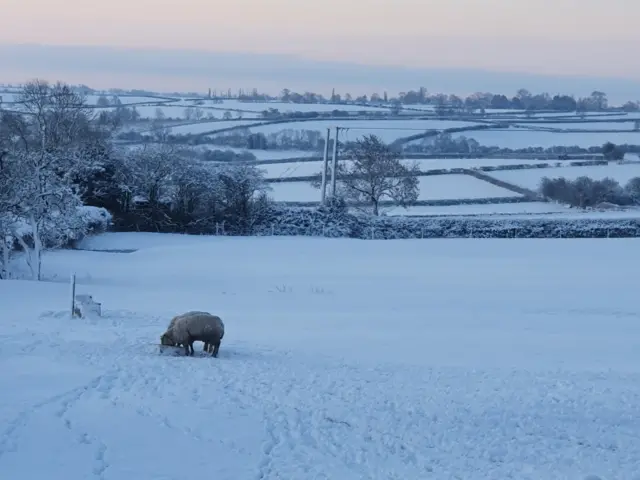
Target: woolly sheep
x: 207, y: 347
x: 195, y: 326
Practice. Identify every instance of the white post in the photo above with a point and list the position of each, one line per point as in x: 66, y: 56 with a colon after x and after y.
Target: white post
x: 325, y: 163
x: 334, y: 163
x: 73, y: 294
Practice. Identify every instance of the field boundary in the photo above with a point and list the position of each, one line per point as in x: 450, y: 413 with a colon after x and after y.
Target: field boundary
x: 302, y: 222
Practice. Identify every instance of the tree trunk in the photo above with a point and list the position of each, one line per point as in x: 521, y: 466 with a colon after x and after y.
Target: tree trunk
x: 28, y: 253
x: 4, y: 274
x: 37, y: 247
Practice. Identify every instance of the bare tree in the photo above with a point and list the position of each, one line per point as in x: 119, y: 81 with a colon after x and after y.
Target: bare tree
x: 373, y: 173
x: 57, y: 116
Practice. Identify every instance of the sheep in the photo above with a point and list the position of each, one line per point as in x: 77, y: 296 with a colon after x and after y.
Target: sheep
x: 195, y: 326
x: 207, y: 347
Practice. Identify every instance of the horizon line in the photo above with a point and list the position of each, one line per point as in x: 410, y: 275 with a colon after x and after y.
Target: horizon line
x: 299, y: 57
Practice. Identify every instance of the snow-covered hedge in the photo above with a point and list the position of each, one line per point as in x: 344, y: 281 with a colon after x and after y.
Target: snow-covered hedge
x: 335, y: 222
x: 88, y: 220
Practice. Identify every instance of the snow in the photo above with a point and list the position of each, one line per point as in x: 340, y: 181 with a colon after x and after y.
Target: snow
x: 171, y: 110
x: 284, y: 107
x: 262, y: 154
x: 8, y: 97
x: 517, y: 211
x: 520, y: 138
x: 481, y: 209
x: 294, y: 192
x: 125, y: 99
x: 436, y: 360
x: 629, y: 125
x: 447, y: 187
x: 202, y: 127
x: 302, y: 169
x: 531, y: 178
x: 387, y: 130
x: 434, y: 187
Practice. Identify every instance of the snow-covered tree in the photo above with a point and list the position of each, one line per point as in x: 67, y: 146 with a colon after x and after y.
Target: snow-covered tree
x: 242, y: 195
x: 373, y: 173
x: 6, y: 218
x: 632, y: 189
x: 41, y: 204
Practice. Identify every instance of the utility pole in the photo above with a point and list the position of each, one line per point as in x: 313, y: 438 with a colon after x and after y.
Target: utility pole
x: 325, y: 164
x: 334, y: 163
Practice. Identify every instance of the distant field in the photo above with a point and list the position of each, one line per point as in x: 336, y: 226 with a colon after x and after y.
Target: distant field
x: 387, y: 130
x: 262, y: 154
x: 93, y: 99
x: 582, y: 125
x: 439, y: 187
x: 203, y: 127
x: 518, y: 138
x: 481, y: 209
x: 531, y: 178
x: 124, y: 99
x: 283, y: 107
x: 302, y: 169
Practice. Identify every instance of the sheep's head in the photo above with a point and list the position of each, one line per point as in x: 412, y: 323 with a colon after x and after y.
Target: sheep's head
x: 167, y: 339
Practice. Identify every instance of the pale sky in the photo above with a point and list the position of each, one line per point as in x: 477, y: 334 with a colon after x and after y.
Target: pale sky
x: 583, y: 37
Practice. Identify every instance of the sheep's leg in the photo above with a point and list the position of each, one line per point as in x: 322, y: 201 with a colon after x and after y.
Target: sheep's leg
x: 216, y: 347
x: 191, y: 347
x: 207, y: 347
x: 186, y: 349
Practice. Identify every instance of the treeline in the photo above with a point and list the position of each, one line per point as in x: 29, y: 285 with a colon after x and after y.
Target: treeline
x: 62, y: 176
x: 522, y: 100
x: 584, y: 192
x: 446, y: 143
x: 313, y: 140
x: 240, y: 138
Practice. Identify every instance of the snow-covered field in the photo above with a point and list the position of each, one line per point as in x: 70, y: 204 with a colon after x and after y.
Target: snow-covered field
x: 630, y: 125
x: 387, y: 130
x: 263, y: 154
x: 481, y: 209
x: 126, y: 99
x: 202, y: 127
x: 302, y: 169
x: 516, y: 211
x: 531, y: 178
x: 174, y: 111
x: 284, y: 107
x: 520, y: 138
x: 93, y: 99
x: 447, y: 359
x: 435, y: 187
